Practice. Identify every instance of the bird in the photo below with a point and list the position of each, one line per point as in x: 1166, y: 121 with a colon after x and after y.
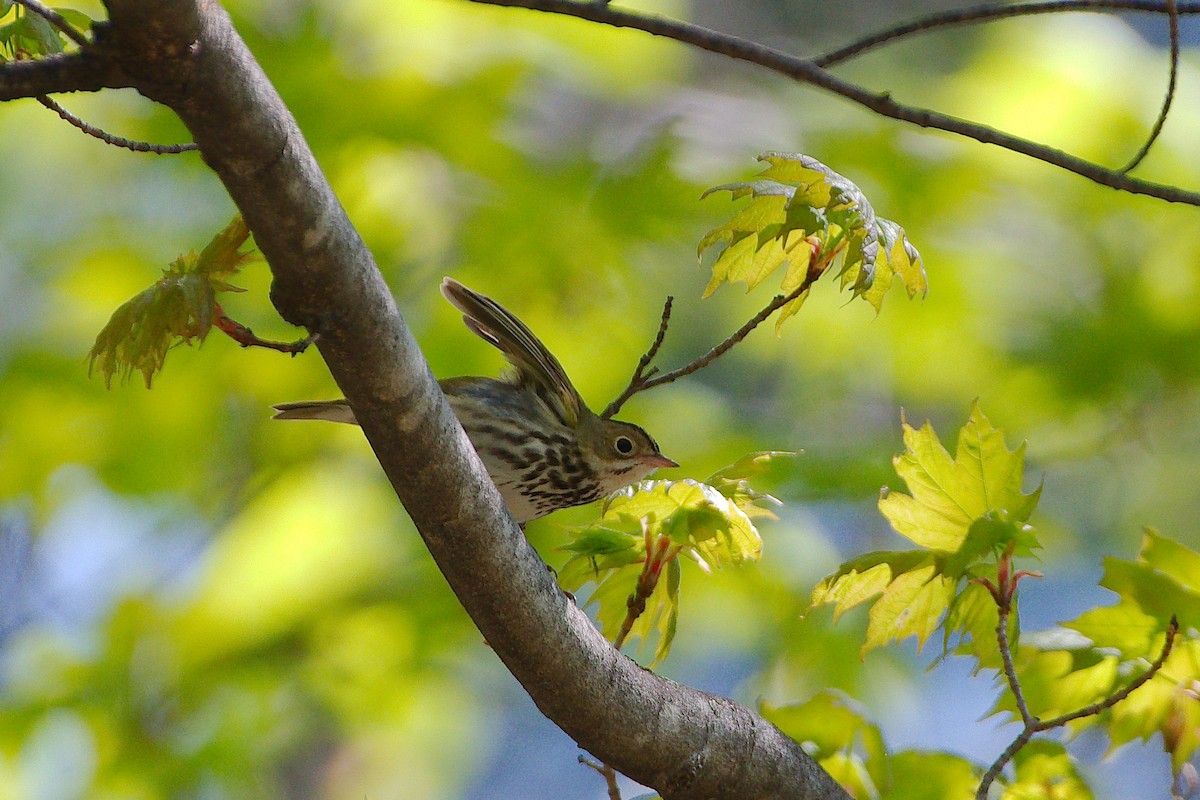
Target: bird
x: 542, y: 446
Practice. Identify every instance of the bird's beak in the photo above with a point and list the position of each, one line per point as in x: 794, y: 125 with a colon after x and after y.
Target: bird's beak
x: 659, y: 461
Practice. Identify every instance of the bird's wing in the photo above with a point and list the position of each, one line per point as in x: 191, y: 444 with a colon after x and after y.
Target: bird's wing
x: 535, y: 365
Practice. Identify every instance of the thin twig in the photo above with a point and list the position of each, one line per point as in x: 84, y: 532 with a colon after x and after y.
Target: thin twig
x: 115, y: 141
x: 779, y: 301
x: 988, y: 13
x: 1033, y: 726
x: 631, y: 616
x: 881, y: 103
x: 1010, y: 671
x: 247, y: 338
x: 610, y: 776
x: 1173, y: 27
x: 640, y: 372
x: 55, y: 19
x: 635, y: 605
x: 703, y: 361
x: 1096, y: 708
x: 989, y: 777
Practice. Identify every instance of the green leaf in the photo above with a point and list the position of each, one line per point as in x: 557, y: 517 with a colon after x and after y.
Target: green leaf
x: 734, y: 481
x: 1045, y: 771
x: 903, y: 258
x: 751, y: 465
x: 862, y: 578
x: 839, y: 734
x: 76, y: 19
x: 669, y: 618
x: 698, y: 520
x: 1166, y: 705
x: 851, y: 774
x: 949, y: 494
x: 1124, y: 627
x: 179, y: 308
x: 965, y: 510
x: 659, y: 619
x: 912, y: 605
x: 1156, y: 593
x: 697, y: 517
x: 974, y: 617
x: 801, y: 210
x: 1172, y: 558
x: 1060, y: 681
x: 920, y: 775
x: 41, y: 36
x: 740, y: 260
x: 991, y: 533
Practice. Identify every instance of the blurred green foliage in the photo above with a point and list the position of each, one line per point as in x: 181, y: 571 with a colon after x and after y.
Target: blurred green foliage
x: 200, y: 602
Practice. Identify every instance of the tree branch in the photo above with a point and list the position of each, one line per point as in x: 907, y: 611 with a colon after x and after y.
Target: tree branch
x: 993, y: 772
x: 1032, y: 725
x: 609, y: 775
x: 990, y: 13
x: 1010, y: 671
x: 113, y: 139
x: 640, y: 373
x: 1173, y: 32
x: 82, y: 71
x: 55, y: 19
x: 645, y: 379
x: 185, y: 53
x: 1109, y: 702
x: 881, y: 103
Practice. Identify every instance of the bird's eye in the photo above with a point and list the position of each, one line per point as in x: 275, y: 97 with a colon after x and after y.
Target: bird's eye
x: 624, y: 445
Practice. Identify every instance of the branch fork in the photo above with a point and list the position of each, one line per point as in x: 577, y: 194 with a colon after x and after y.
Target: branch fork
x: 1004, y: 593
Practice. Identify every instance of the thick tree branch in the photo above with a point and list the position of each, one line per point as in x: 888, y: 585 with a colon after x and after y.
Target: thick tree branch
x: 684, y: 743
x: 82, y: 71
x: 806, y: 71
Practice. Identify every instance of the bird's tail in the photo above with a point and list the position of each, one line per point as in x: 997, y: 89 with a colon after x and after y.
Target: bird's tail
x: 329, y: 410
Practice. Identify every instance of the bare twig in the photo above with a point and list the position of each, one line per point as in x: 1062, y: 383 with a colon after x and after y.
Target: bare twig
x: 610, y: 776
x: 640, y: 373
x: 636, y: 603
x: 1010, y: 671
x: 116, y: 141
x: 651, y: 379
x: 1173, y: 27
x: 988, y: 13
x: 247, y: 338
x: 993, y: 772
x: 1032, y: 725
x: 881, y: 103
x: 1096, y: 708
x: 55, y: 19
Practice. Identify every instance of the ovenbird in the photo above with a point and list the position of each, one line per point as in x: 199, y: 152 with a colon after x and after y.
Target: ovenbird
x: 542, y: 446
